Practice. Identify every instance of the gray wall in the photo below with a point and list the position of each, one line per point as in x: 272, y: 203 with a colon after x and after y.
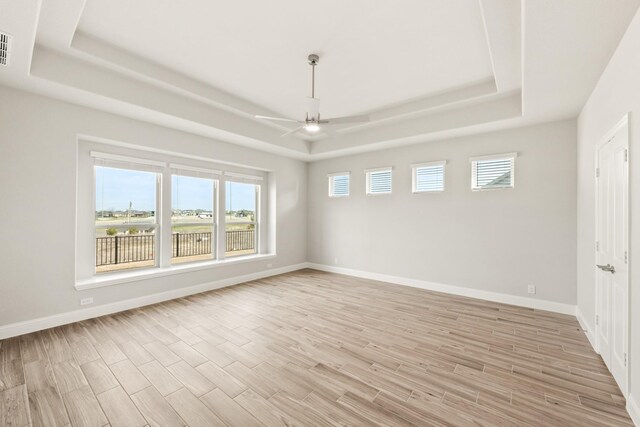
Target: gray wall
x: 499, y: 241
x: 38, y: 143
x: 617, y: 93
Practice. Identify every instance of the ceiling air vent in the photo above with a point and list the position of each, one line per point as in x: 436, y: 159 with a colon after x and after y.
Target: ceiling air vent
x: 5, y: 46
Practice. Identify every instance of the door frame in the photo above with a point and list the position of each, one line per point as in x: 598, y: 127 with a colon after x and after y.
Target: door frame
x: 624, y: 122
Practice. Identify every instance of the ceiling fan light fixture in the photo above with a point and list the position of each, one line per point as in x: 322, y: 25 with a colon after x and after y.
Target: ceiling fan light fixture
x: 312, y: 127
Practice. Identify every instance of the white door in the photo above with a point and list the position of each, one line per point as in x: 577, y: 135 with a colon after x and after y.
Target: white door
x: 612, y: 271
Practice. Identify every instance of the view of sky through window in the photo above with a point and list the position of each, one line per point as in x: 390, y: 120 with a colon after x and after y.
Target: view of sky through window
x: 240, y: 196
x: 189, y: 193
x: 121, y: 189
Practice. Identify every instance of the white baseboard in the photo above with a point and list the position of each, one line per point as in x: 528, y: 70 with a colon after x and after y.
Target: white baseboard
x: 587, y: 330
x: 28, y: 326
x: 556, y: 307
x: 633, y: 409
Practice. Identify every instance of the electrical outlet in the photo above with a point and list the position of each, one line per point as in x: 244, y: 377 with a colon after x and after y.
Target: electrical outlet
x: 86, y: 301
x: 531, y: 289
x: 269, y: 265
x: 335, y: 260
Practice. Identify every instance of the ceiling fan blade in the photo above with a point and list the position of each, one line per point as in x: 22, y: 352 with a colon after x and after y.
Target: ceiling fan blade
x: 349, y: 119
x: 279, y: 119
x: 292, y: 131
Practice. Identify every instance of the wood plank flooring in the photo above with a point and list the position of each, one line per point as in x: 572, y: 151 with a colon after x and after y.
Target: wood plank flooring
x: 311, y: 348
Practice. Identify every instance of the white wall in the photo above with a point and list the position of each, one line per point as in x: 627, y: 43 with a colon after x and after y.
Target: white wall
x: 38, y: 145
x: 498, y: 241
x: 617, y: 93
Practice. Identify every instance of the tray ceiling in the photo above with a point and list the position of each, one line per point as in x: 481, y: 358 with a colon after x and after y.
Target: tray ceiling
x: 423, y: 70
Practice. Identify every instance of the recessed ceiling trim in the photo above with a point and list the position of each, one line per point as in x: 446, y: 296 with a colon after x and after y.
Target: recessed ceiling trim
x: 428, y: 103
x: 151, y: 72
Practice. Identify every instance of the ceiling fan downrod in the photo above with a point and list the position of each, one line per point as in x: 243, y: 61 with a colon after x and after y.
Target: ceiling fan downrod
x: 313, y: 61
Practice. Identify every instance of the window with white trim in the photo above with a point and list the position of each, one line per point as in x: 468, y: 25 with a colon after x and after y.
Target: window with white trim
x: 241, y: 217
x: 193, y: 216
x: 428, y: 177
x: 339, y: 184
x: 493, y: 172
x: 126, y: 206
x: 144, y: 213
x: 379, y: 181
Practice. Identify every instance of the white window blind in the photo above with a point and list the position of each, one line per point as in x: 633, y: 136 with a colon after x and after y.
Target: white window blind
x: 492, y: 172
x: 379, y: 181
x: 428, y: 177
x: 125, y: 162
x: 339, y: 184
x: 196, y: 172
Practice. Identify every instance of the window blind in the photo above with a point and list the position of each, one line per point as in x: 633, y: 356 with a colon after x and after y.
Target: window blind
x: 379, y: 181
x: 428, y: 177
x: 492, y: 172
x: 125, y: 162
x: 339, y: 184
x: 196, y: 172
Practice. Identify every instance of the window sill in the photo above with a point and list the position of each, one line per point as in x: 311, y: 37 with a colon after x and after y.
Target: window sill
x: 134, y: 276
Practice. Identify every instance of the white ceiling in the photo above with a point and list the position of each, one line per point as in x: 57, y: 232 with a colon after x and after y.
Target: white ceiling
x: 422, y: 69
x: 373, y: 53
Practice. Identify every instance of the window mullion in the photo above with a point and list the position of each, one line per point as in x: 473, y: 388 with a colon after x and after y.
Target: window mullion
x: 221, y: 235
x: 164, y: 219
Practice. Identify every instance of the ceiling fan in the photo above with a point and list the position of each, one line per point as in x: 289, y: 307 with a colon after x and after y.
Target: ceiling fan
x: 312, y: 122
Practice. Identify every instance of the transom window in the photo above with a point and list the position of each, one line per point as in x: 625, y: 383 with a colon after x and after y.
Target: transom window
x: 428, y: 177
x: 339, y: 184
x: 379, y: 181
x: 493, y: 172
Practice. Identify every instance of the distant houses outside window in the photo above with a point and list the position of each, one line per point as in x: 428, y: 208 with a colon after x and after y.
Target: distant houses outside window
x: 126, y: 221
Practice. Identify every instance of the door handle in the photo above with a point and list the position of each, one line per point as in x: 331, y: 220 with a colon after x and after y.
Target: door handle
x: 610, y: 268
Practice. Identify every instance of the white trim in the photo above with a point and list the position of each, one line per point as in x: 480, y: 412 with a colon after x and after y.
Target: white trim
x: 504, y: 156
x: 243, y: 176
x: 338, y: 174
x: 110, y: 279
x: 28, y: 326
x: 126, y: 159
x: 367, y: 174
x: 128, y: 145
x: 331, y: 180
x: 556, y: 307
x: 383, y: 169
x: 633, y: 409
x: 414, y: 176
x: 427, y: 164
x: 474, y: 174
x: 179, y: 167
x: 586, y: 329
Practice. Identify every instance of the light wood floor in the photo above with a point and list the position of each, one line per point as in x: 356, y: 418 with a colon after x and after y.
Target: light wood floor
x: 311, y: 348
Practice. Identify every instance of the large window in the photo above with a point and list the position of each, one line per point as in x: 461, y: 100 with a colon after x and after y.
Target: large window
x: 193, y: 218
x: 148, y: 213
x: 492, y: 172
x: 241, y: 218
x: 125, y: 218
